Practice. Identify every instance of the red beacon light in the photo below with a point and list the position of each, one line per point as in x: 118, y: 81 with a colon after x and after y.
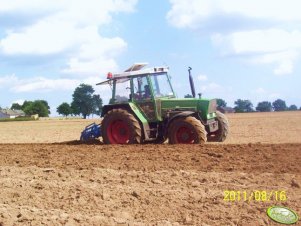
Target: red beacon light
x: 109, y: 75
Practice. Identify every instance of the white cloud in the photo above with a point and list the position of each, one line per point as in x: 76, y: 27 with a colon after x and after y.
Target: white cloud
x: 27, y: 6
x: 260, y: 90
x: 39, y: 39
x: 274, y: 96
x: 94, y: 66
x: 261, y: 32
x: 194, y: 13
x: 211, y: 87
x: 258, y: 41
x: 44, y: 85
x: 78, y: 11
x: 285, y: 67
x: 96, y: 57
x: 202, y: 78
x: 69, y: 29
x: 19, y: 101
x: 7, y: 80
x: 261, y: 94
x: 41, y: 84
x: 215, y: 90
x: 273, y: 46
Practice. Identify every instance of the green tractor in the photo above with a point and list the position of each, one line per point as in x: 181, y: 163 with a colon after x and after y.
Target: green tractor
x: 144, y: 109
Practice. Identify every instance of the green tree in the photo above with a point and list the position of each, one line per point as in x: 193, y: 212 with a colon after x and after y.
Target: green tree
x: 75, y: 109
x: 293, y: 107
x: 188, y: 96
x: 46, y: 104
x: 36, y: 107
x: 243, y: 106
x: 221, y: 102
x: 83, y: 102
x: 279, y: 105
x: 26, y: 104
x: 16, y: 106
x: 264, y: 106
x: 97, y: 104
x: 64, y: 109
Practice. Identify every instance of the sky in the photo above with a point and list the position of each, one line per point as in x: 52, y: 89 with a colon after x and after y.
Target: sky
x: 237, y: 49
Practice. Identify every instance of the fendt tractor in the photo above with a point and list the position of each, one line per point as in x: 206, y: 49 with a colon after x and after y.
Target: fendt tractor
x: 144, y: 109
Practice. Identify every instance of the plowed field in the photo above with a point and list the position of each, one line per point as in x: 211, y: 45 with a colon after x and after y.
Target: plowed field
x: 47, y: 178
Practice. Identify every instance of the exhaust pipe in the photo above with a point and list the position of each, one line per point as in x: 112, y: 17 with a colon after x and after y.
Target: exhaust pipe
x: 191, y: 82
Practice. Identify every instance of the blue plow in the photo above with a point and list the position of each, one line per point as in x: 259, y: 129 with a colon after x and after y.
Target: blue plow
x: 91, y: 132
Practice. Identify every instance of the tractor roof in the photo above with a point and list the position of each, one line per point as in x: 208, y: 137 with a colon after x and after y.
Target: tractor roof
x: 134, y: 70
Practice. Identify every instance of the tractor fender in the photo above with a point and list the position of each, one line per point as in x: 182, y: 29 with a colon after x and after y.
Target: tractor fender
x: 109, y: 107
x: 183, y: 114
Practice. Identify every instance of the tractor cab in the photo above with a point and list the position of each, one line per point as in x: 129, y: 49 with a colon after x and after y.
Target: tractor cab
x: 144, y: 88
x: 149, y: 84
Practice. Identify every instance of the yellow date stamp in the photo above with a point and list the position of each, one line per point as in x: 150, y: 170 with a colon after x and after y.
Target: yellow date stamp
x: 254, y: 196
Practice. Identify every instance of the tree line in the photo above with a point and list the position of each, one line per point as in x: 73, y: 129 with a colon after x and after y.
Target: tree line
x: 84, y: 102
x: 247, y: 106
x: 263, y: 106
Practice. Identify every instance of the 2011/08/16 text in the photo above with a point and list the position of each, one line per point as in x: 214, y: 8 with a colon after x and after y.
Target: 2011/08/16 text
x: 258, y: 196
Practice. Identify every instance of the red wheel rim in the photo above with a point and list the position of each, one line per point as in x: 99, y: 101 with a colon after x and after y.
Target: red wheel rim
x: 184, y: 135
x: 118, y: 132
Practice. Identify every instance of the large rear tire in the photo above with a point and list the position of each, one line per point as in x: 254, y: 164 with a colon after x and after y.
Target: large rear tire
x: 120, y: 127
x: 223, y: 129
x: 187, y: 130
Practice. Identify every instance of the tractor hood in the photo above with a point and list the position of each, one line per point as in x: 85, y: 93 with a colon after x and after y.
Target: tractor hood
x: 205, y: 107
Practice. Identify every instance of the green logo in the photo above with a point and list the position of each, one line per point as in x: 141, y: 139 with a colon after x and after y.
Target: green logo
x: 282, y: 215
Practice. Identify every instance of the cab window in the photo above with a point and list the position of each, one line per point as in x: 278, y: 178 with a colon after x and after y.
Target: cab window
x: 142, y: 90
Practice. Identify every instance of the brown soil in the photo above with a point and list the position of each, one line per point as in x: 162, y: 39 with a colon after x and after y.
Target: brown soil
x: 43, y: 131
x: 49, y: 177
x: 270, y: 127
x: 78, y: 184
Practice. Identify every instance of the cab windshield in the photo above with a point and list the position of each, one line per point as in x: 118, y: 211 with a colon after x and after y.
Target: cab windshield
x: 161, y: 85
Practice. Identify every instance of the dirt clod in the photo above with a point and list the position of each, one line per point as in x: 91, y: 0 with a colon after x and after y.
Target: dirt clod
x: 135, y: 194
x: 295, y: 183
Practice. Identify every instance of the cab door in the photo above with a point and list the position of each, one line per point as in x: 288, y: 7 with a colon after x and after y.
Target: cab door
x: 143, y: 96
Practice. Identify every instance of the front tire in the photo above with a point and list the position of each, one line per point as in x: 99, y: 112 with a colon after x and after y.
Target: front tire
x: 120, y: 127
x: 223, y: 129
x: 187, y: 130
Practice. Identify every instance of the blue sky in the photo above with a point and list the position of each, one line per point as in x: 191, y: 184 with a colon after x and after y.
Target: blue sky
x: 237, y: 49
